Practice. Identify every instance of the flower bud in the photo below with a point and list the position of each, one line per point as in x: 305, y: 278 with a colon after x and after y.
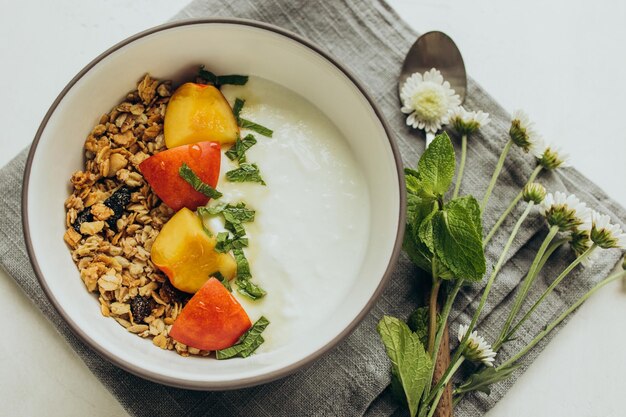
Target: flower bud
x: 534, y: 192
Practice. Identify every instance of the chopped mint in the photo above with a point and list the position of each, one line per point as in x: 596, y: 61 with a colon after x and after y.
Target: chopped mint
x: 188, y: 175
x: 245, y: 173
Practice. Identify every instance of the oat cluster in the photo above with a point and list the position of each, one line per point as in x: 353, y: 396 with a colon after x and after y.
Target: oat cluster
x: 113, y: 217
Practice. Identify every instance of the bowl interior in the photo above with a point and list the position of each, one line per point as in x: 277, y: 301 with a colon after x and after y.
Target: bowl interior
x: 174, y: 53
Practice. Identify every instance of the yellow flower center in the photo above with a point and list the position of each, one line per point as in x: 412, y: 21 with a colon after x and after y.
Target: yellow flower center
x: 429, y: 102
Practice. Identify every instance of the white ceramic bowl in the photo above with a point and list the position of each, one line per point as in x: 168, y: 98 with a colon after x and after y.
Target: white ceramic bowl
x: 173, y: 51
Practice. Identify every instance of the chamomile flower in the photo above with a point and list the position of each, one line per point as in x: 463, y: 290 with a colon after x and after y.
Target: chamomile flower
x: 565, y: 211
x: 468, y: 122
x: 477, y: 349
x: 534, y: 192
x: 428, y: 100
x: 522, y: 132
x: 550, y: 157
x: 605, y: 234
x: 580, y: 242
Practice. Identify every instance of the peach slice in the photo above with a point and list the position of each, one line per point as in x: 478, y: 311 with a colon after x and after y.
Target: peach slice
x: 198, y: 113
x: 213, y: 319
x: 185, y: 252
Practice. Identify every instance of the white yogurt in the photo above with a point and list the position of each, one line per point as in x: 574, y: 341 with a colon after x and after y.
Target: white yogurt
x: 311, y: 228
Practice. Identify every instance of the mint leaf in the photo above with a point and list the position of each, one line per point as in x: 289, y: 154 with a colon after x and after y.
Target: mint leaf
x: 260, y: 129
x: 417, y: 252
x: 469, y: 204
x: 239, y: 102
x: 225, y: 243
x: 457, y: 241
x: 188, y: 175
x: 483, y: 380
x: 239, y: 149
x: 418, y: 322
x: 437, y: 164
x: 245, y: 286
x: 247, y: 343
x: 225, y: 282
x: 425, y: 231
x: 245, y: 173
x: 410, y: 363
x: 219, y: 80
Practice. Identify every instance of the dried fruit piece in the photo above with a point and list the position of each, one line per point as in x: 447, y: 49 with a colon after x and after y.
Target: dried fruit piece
x: 141, y: 307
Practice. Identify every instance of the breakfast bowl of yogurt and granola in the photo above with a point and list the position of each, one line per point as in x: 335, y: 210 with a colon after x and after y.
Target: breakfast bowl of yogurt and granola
x: 209, y: 215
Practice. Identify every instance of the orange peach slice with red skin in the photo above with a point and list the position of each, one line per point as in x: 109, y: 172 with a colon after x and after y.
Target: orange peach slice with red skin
x: 198, y: 113
x: 185, y: 252
x: 213, y: 319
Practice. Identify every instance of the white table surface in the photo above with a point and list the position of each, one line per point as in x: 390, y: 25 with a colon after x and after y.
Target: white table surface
x: 561, y: 60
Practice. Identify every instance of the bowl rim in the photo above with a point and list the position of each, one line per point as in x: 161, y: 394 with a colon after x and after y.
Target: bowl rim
x: 250, y: 381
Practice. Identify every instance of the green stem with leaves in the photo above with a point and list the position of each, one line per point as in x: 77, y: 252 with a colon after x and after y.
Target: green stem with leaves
x: 511, y: 206
x: 487, y: 290
x: 459, y: 177
x: 496, y: 174
x: 551, y: 326
x: 445, y: 380
x: 549, y: 290
x: 528, y: 281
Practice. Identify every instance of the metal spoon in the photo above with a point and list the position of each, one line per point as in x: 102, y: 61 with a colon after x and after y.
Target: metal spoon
x: 435, y: 50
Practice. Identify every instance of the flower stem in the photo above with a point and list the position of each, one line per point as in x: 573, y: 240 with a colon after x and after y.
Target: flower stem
x: 432, y: 314
x: 528, y: 281
x: 511, y: 206
x: 445, y: 380
x: 459, y: 177
x: 553, y: 247
x: 547, y: 292
x: 551, y: 326
x: 490, y: 282
x: 496, y: 174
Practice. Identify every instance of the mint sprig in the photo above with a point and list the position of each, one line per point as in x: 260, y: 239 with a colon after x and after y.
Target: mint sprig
x: 247, y: 343
x: 410, y: 364
x: 220, y: 80
x: 192, y: 179
x: 237, y: 152
x: 245, y: 173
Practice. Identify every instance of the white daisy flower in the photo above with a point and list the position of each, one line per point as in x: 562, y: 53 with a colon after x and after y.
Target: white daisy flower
x: 605, y: 234
x: 477, y: 349
x: 522, y: 131
x: 551, y: 157
x: 428, y: 100
x: 468, y: 122
x: 565, y: 211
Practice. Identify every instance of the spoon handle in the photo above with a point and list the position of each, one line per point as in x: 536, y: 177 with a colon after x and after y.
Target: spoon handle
x: 429, y: 138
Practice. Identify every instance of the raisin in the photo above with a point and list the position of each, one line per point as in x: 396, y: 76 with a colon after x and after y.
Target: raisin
x: 170, y: 293
x: 83, y: 216
x: 117, y: 202
x: 141, y: 307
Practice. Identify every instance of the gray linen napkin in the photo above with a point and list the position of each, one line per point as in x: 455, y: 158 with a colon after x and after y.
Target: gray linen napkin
x: 371, y: 40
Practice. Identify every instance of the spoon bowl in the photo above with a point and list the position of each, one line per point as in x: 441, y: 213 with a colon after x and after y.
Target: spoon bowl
x: 436, y: 50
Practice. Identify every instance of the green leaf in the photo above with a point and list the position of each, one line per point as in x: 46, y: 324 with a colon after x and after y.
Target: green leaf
x: 188, y: 175
x: 410, y: 363
x: 425, y: 231
x: 417, y: 252
x: 469, y: 204
x: 482, y: 380
x: 437, y: 164
x: 239, y: 102
x: 245, y: 286
x: 457, y: 241
x: 418, y: 323
x: 225, y: 282
x: 220, y: 80
x: 247, y: 343
x: 239, y: 149
x: 225, y: 243
x: 260, y: 129
x: 245, y: 173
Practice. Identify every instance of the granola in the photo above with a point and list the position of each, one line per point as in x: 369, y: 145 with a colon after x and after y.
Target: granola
x: 113, y: 217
